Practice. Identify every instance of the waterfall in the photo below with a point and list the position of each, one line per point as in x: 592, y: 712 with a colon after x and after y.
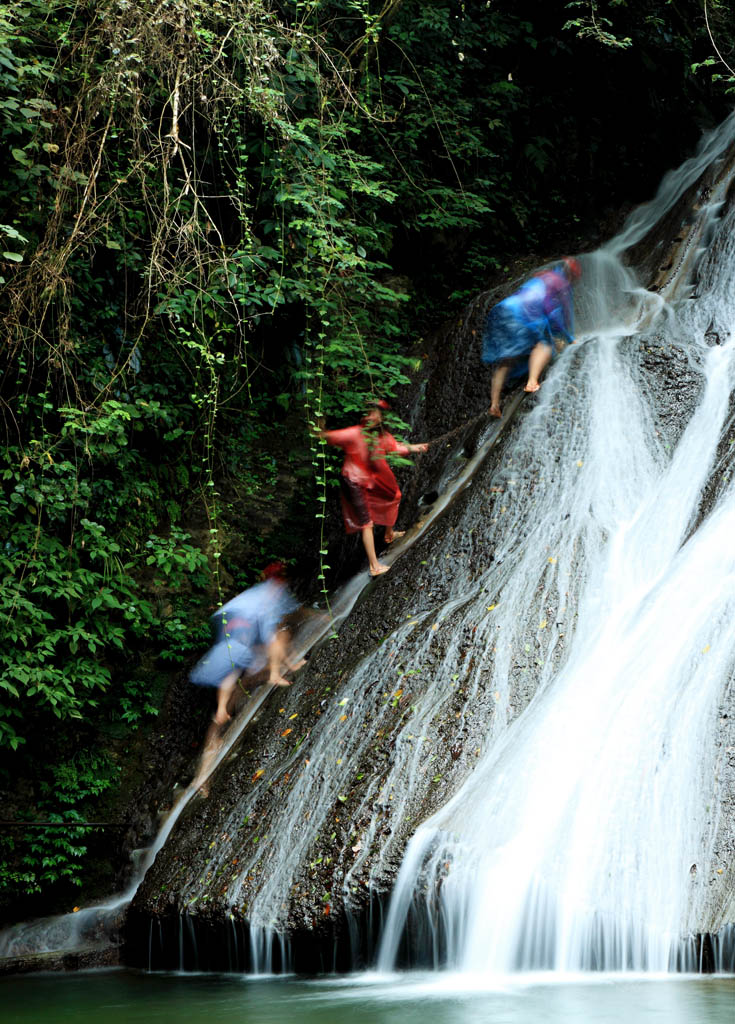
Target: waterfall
x: 543, y: 694
x: 584, y: 837
x: 546, y: 694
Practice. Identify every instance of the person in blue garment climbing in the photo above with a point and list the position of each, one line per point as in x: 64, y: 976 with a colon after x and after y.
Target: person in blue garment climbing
x: 520, y: 331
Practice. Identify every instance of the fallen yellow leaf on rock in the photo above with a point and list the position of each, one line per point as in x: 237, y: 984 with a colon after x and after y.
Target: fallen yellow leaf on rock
x: 542, y: 624
x: 491, y: 606
x: 580, y: 463
x: 552, y: 560
x: 257, y: 775
x: 705, y: 649
x: 435, y: 626
x: 291, y: 717
x: 286, y: 732
x: 343, y: 718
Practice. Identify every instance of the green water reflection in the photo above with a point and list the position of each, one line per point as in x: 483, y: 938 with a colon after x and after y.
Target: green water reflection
x: 121, y: 996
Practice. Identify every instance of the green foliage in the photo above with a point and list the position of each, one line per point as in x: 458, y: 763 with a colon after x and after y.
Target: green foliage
x: 591, y: 24
x: 35, y: 859
x: 718, y: 18
x: 176, y: 558
x: 73, y: 599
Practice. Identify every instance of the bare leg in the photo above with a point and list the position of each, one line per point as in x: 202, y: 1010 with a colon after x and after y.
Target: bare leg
x: 496, y: 387
x: 276, y: 657
x: 210, y: 750
x: 368, y: 540
x: 223, y: 696
x: 537, y: 362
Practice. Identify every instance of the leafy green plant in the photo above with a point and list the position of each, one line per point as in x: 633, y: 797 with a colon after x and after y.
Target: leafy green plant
x: 34, y: 859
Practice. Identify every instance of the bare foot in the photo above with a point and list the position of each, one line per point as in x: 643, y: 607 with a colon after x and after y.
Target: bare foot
x: 279, y: 681
x: 389, y: 538
x: 222, y: 718
x: 494, y: 410
x: 532, y: 387
x: 379, y: 569
x: 297, y: 666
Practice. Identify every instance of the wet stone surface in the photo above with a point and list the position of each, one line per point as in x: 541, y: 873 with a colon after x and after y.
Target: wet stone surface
x: 276, y: 750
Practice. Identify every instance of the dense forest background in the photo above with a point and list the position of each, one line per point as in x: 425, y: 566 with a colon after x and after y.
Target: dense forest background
x: 220, y: 221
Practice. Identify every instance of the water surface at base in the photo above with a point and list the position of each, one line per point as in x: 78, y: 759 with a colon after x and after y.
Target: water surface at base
x: 129, y: 997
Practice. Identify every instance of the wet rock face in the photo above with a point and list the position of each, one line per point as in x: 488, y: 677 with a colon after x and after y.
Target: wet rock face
x: 77, y: 960
x: 721, y: 908
x: 339, y: 724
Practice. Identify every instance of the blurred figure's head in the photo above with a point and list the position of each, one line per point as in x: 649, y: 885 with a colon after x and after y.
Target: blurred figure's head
x: 572, y: 268
x: 275, y: 571
x: 373, y: 418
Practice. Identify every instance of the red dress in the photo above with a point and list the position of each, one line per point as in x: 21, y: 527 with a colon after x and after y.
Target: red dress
x: 385, y: 494
x: 357, y: 476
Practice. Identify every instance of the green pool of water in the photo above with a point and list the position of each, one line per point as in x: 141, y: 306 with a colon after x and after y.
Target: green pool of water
x: 128, y: 996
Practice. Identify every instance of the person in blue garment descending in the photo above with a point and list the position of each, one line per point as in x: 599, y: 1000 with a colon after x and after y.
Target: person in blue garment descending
x: 520, y: 331
x: 247, y: 638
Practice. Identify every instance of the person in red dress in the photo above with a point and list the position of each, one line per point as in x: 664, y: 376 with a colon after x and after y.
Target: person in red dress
x: 370, y: 493
x: 385, y: 495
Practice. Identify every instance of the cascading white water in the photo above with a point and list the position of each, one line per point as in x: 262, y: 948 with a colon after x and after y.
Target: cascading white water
x: 583, y: 838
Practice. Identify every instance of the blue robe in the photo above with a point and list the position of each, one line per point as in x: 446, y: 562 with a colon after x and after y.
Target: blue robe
x: 539, y: 311
x: 243, y: 629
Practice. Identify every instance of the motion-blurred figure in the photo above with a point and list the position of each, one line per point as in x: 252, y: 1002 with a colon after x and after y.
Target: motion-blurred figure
x: 520, y: 331
x: 370, y: 493
x: 248, y: 637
